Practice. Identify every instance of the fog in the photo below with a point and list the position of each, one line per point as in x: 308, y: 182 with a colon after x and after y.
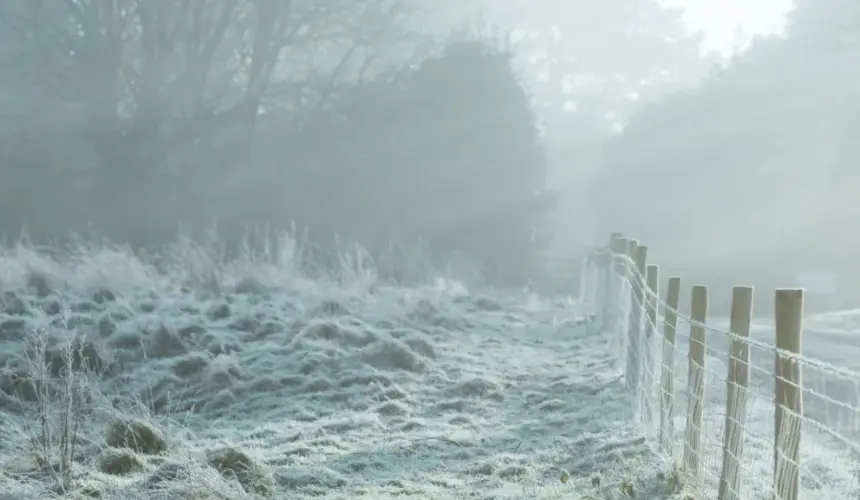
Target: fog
x: 508, y: 136
x: 331, y: 249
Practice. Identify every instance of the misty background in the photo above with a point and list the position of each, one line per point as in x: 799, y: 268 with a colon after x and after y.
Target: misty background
x: 508, y: 134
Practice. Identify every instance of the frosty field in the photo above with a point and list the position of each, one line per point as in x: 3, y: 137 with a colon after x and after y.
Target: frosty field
x: 231, y: 379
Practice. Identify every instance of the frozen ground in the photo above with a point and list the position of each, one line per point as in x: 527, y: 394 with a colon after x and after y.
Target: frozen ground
x: 200, y: 378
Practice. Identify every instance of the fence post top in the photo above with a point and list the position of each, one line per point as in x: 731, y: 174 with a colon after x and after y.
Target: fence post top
x: 631, y: 248
x: 641, y: 258
x: 699, y: 299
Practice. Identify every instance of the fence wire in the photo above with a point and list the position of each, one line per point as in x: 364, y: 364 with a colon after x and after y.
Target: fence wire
x: 680, y: 403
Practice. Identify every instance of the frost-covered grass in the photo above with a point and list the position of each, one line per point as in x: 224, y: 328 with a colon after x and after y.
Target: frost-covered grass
x: 195, y: 376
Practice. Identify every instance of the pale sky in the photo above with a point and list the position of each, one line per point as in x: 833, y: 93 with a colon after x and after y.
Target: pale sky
x: 729, y: 24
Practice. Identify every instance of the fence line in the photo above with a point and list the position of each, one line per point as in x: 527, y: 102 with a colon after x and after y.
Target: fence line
x: 730, y: 426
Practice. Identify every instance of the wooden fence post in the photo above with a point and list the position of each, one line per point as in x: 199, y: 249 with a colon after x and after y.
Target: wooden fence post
x: 637, y: 315
x: 696, y: 384
x: 737, y: 382
x: 667, y: 382
x: 619, y: 250
x: 617, y: 245
x: 621, y: 246
x: 788, y: 413
x: 653, y: 281
x: 631, y: 371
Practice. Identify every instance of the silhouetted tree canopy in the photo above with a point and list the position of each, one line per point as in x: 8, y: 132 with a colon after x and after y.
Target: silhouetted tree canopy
x: 350, y: 117
x: 446, y: 152
x: 161, y: 127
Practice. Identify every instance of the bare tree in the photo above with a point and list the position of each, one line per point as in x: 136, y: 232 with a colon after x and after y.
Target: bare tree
x: 148, y: 76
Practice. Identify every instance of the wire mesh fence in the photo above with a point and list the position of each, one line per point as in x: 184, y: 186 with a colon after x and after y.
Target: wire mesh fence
x: 741, y: 414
